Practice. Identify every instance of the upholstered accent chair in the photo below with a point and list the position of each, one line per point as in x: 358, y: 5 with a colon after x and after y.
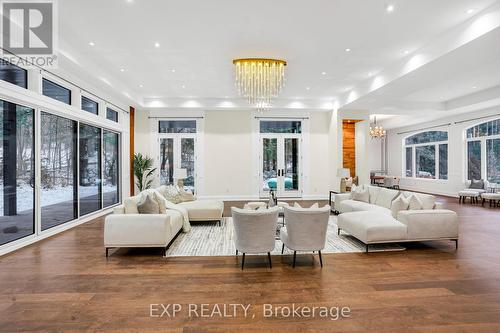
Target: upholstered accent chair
x: 305, y: 230
x: 255, y: 231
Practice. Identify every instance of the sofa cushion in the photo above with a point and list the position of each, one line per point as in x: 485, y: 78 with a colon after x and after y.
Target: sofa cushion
x: 361, y: 194
x: 372, y: 227
x: 374, y: 191
x: 204, y: 210
x: 360, y: 206
x: 148, y: 205
x: 477, y: 184
x: 130, y: 205
x: 428, y: 200
x: 414, y: 203
x: 430, y: 224
x: 385, y: 197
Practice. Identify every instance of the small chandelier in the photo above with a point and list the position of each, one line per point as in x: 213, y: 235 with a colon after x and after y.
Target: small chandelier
x: 377, y: 132
x: 259, y: 80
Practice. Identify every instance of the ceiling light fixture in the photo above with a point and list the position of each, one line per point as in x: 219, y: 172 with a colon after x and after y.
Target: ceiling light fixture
x: 406, y: 52
x: 140, y: 86
x: 308, y: 88
x: 157, y: 44
x: 377, y: 132
x: 389, y: 8
x: 172, y: 70
x: 183, y: 87
x: 470, y: 11
x: 259, y: 79
x: 323, y: 73
x: 474, y: 87
x: 91, y: 43
x: 122, y: 70
x: 348, y: 50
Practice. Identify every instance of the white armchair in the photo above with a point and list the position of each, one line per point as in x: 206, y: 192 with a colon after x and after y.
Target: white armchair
x: 305, y: 230
x: 254, y: 231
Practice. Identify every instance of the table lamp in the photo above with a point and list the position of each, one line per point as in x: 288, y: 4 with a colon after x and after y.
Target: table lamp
x: 343, y: 173
x: 180, y: 175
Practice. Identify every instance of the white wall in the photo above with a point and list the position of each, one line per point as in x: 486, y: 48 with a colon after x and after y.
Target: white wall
x: 456, y: 152
x: 230, y: 153
x: 374, y: 154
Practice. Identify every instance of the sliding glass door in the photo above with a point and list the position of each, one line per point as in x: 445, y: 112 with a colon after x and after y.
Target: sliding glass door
x: 17, y: 163
x: 111, y: 180
x: 90, y: 169
x: 58, y: 152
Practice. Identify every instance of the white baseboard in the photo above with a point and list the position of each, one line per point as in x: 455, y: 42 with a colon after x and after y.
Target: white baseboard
x: 20, y: 243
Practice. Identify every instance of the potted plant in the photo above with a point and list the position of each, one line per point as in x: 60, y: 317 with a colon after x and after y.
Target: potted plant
x: 143, y: 171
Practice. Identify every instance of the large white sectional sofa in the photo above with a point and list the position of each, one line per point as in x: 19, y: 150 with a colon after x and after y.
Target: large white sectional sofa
x: 127, y: 228
x: 374, y: 222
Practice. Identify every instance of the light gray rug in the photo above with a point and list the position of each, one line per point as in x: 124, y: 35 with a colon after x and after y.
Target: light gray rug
x: 210, y: 239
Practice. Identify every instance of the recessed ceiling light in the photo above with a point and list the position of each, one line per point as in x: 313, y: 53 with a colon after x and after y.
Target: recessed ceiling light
x: 172, y: 70
x: 183, y: 87
x: 474, y: 87
x: 122, y: 70
x: 140, y: 86
x: 389, y: 8
x: 323, y: 73
x: 157, y: 44
x: 406, y: 52
x: 348, y: 50
x: 91, y: 43
x: 470, y: 11
x: 308, y: 88
x: 226, y: 96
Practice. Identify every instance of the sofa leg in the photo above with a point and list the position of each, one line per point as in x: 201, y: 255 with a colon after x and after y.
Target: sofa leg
x: 107, y: 249
x: 294, y: 256
x: 243, y: 261
x: 283, y: 248
x: 456, y: 244
x: 338, y: 231
x: 320, y: 259
x: 366, y: 249
x: 270, y: 262
x: 236, y: 252
x: 482, y: 202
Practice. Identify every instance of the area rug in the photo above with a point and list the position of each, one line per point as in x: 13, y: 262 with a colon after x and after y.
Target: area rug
x: 210, y: 239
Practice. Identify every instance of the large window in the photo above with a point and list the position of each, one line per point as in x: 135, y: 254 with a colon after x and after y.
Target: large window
x: 483, y: 151
x: 426, y: 155
x: 55, y: 91
x: 58, y: 170
x: 111, y: 180
x: 17, y: 165
x: 90, y: 169
x: 13, y: 74
x: 90, y: 105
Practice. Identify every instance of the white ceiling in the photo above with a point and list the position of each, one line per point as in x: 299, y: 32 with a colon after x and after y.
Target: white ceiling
x: 199, y: 38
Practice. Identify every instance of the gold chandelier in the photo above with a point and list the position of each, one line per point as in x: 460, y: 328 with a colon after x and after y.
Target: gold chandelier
x: 377, y: 132
x: 259, y: 80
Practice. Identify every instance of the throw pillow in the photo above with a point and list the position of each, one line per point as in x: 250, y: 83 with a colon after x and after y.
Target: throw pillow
x: 477, y: 184
x: 354, y: 187
x: 161, y: 201
x: 315, y: 206
x: 361, y: 195
x: 148, y: 205
x: 130, y: 206
x: 187, y: 196
x: 415, y: 203
x: 399, y: 204
x: 296, y: 205
x: 172, y: 194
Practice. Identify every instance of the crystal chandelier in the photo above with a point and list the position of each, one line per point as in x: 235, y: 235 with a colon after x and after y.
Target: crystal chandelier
x: 376, y: 131
x: 259, y: 80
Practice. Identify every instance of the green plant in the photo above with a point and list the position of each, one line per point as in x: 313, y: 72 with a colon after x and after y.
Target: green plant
x: 143, y: 171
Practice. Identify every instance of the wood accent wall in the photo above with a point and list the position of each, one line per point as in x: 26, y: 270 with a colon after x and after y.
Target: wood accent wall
x: 132, y: 151
x: 349, y: 145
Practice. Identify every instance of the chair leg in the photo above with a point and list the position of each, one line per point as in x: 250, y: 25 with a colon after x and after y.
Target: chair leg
x: 236, y: 252
x: 338, y: 231
x: 270, y: 262
x: 243, y: 261
x: 294, y: 256
x: 107, y: 249
x: 283, y: 248
x: 456, y: 244
x: 482, y: 202
x: 320, y: 259
x: 366, y: 251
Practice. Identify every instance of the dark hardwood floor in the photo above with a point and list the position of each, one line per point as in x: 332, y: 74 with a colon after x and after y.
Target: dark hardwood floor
x: 65, y: 284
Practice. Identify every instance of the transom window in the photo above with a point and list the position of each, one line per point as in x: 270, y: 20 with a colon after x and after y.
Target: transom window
x: 13, y: 74
x: 279, y: 126
x: 426, y: 155
x: 90, y: 105
x: 55, y: 91
x: 111, y: 114
x: 483, y: 151
x: 177, y: 126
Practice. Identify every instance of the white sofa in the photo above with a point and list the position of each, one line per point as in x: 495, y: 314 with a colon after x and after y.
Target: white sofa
x: 373, y: 222
x: 125, y: 228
